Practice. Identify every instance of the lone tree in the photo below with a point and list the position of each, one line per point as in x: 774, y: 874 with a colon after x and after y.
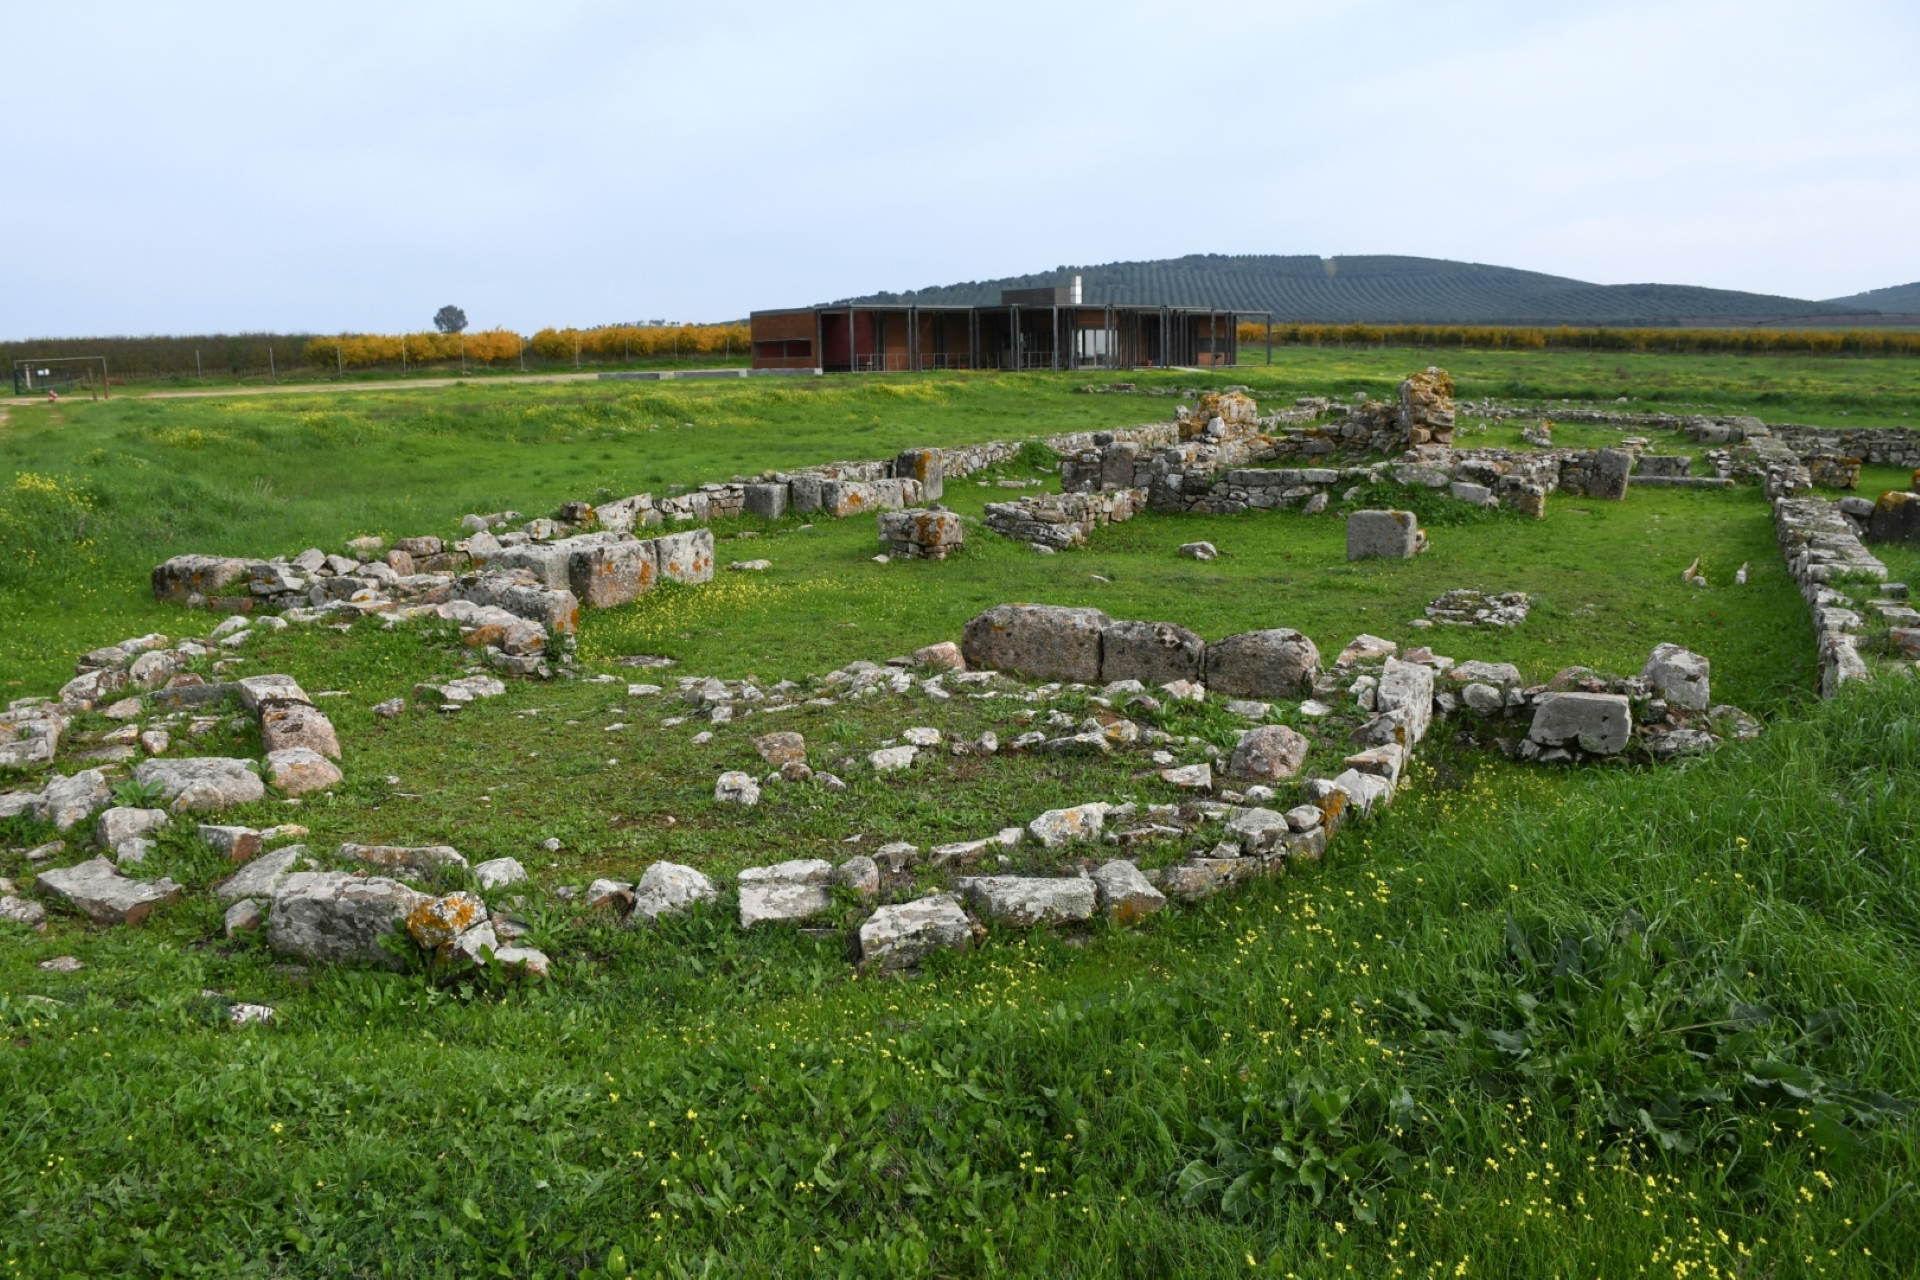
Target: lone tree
x: 450, y: 319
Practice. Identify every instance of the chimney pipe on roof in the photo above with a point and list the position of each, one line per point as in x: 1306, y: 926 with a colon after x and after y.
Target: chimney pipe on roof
x: 1076, y: 291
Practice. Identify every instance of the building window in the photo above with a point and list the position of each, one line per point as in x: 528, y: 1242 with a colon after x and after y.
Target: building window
x: 797, y: 350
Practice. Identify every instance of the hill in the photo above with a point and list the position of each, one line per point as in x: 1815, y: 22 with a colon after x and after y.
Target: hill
x: 1899, y: 298
x: 1386, y: 290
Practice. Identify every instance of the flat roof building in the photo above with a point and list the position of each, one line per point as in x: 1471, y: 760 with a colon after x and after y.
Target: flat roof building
x: 1030, y: 329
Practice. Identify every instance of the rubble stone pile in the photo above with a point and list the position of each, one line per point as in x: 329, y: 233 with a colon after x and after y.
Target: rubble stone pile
x: 921, y: 533
x: 1061, y: 520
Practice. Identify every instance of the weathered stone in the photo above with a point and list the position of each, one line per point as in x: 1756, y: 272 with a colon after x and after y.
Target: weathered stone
x: 1125, y: 896
x: 1058, y: 828
x: 97, y: 890
x: 782, y: 748
x: 1025, y: 901
x: 609, y: 574
x: 768, y: 501
x: 1201, y: 878
x: 256, y: 693
x: 523, y: 961
x: 1152, y: 652
x: 121, y: 823
x: 68, y: 801
x: 1304, y: 817
x: 1364, y: 791
x: 1608, y: 478
x: 259, y: 878
x: 964, y: 853
x: 413, y: 860
x: 336, y: 916
x: 239, y: 844
x: 734, y: 787
x: 521, y: 595
x: 245, y: 916
x: 780, y: 900
x: 1501, y: 675
x: 1276, y: 663
x: 944, y: 656
x: 1682, y: 742
x: 151, y: 670
x: 667, y: 888
x: 1391, y: 535
x: 614, y: 894
x: 686, y: 557
x: 1483, y: 699
x: 295, y: 771
x: 1199, y: 551
x: 294, y: 724
x: 437, y: 922
x: 202, y: 782
x: 893, y: 759
x: 1600, y: 723
x: 1680, y: 676
x: 901, y: 936
x: 860, y: 874
x: 1404, y: 695
x: 925, y: 466
x: 1047, y: 641
x: 498, y: 873
x: 88, y: 688
x: 1269, y: 753
x: 190, y: 575
x: 15, y: 910
x: 1191, y: 777
x: 1258, y: 830
x: 1896, y: 517
x: 1384, y: 761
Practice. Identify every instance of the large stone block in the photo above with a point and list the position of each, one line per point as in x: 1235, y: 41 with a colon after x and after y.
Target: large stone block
x: 686, y: 557
x: 296, y: 724
x: 1047, y: 641
x: 1680, y: 676
x: 1269, y: 753
x: 1406, y: 693
x: 1386, y: 535
x: 97, y: 890
x: 522, y: 596
x: 1598, y: 723
x: 1278, y: 663
x: 768, y: 501
x: 336, y: 916
x: 1025, y: 901
x: 613, y: 573
x: 805, y: 493
x: 1896, y: 518
x: 1610, y: 470
x: 185, y: 576
x: 927, y: 466
x: 202, y: 782
x: 1154, y: 653
x: 899, y: 937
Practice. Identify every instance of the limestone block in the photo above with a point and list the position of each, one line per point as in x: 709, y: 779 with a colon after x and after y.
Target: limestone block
x: 337, y: 916
x: 1153, y: 653
x: 1269, y: 753
x: 1046, y: 641
x: 202, y: 782
x: 686, y: 557
x: 295, y: 771
x: 768, y: 501
x: 901, y: 936
x: 97, y: 890
x: 284, y: 725
x: 1025, y: 901
x: 1609, y: 476
x: 1680, y: 676
x: 1389, y: 535
x: 1599, y: 723
x: 927, y: 466
x: 668, y: 888
x: 609, y: 574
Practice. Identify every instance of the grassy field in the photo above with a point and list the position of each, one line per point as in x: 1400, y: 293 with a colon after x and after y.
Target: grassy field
x: 1606, y: 1022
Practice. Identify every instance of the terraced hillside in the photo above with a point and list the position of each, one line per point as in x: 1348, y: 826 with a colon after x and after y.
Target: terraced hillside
x: 1384, y: 289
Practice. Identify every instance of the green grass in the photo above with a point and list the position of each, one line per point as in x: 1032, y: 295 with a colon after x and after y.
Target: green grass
x: 693, y: 1099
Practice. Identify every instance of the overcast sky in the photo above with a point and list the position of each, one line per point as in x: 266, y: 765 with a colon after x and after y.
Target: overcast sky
x: 192, y: 168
